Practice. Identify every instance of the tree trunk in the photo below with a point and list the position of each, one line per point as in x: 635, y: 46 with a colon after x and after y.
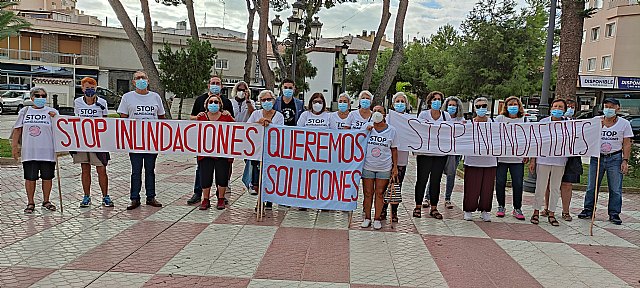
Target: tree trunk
x: 396, y: 56
x: 180, y: 109
x: 284, y: 72
x: 373, y: 54
x: 148, y: 31
x: 141, y: 50
x: 249, y: 51
x: 571, y: 25
x: 267, y: 74
x: 192, y: 22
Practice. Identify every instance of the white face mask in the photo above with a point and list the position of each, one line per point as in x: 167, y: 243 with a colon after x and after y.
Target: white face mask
x: 317, y: 107
x: 240, y: 94
x: 377, y: 117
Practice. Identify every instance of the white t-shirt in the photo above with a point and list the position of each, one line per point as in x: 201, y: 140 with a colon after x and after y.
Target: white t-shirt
x: 357, y: 122
x: 378, y: 157
x: 426, y: 115
x: 480, y: 161
x: 37, y: 134
x: 308, y: 119
x: 138, y: 106
x: 278, y: 118
x: 551, y: 161
x: 403, y: 158
x: 502, y: 118
x: 613, y: 136
x: 97, y: 109
x: 241, y: 110
x: 335, y: 122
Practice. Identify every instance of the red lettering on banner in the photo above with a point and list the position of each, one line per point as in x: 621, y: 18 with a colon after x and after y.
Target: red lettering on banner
x: 100, y: 129
x: 273, y: 183
x: 455, y: 136
x: 223, y: 139
x: 165, y: 129
x: 177, y: 141
x: 310, y: 140
x: 126, y: 136
x: 118, y: 134
x: 74, y: 122
x: 273, y: 153
x: 359, y: 147
x: 321, y: 185
x: 287, y: 173
x: 320, y: 148
x: 186, y: 138
x: 250, y: 140
x: 205, y: 141
x: 234, y: 139
x: 296, y: 145
x: 356, y: 187
x: 448, y: 136
x: 335, y: 144
x: 584, y: 139
x: 345, y: 187
x: 84, y: 132
x: 152, y: 135
x: 64, y: 132
x: 138, y: 138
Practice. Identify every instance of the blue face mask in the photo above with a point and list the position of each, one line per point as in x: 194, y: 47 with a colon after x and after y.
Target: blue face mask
x: 569, y: 112
x: 557, y: 113
x: 399, y: 107
x: 513, y: 110
x: 609, y: 112
x: 288, y: 93
x: 39, y: 102
x: 343, y: 107
x: 481, y: 112
x: 436, y: 104
x: 142, y: 84
x: 214, y: 89
x: 452, y: 109
x: 90, y: 92
x: 365, y: 103
x: 213, y: 107
x: 267, y: 106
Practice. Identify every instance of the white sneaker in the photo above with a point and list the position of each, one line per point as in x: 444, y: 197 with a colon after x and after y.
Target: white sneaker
x: 486, y: 216
x: 365, y: 223
x: 467, y: 216
x: 377, y: 225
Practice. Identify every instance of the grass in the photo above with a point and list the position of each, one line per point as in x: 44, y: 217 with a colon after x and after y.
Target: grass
x: 5, y: 148
x: 114, y: 115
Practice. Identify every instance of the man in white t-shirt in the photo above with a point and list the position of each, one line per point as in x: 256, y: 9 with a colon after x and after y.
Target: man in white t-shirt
x: 615, y: 150
x: 142, y: 104
x: 90, y: 105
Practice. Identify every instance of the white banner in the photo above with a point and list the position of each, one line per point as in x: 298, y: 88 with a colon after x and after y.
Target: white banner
x: 204, y: 138
x: 531, y: 139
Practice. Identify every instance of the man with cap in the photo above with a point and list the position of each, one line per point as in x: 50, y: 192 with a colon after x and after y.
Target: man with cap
x: 615, y: 150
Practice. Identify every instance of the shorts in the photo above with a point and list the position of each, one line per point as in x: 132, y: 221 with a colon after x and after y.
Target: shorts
x: 368, y: 174
x: 209, y: 166
x: 34, y: 170
x: 571, y: 178
x: 86, y: 158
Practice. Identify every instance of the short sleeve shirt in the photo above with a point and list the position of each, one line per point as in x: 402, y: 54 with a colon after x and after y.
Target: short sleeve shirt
x: 357, y: 121
x: 308, y: 119
x: 551, y: 161
x: 502, y: 118
x: 37, y: 134
x: 335, y: 122
x: 289, y: 112
x: 97, y: 109
x: 277, y: 119
x: 612, y: 137
x: 241, y: 109
x: 378, y: 157
x: 139, y: 106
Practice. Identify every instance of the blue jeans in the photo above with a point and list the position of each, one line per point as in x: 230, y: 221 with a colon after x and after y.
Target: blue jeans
x: 610, y: 165
x: 517, y: 179
x: 197, y: 187
x: 451, y: 181
x: 138, y: 160
x: 246, y: 175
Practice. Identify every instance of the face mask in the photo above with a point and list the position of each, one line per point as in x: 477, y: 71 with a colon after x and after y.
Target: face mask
x: 240, y: 95
x: 436, y: 104
x: 39, y: 102
x: 90, y: 92
x: 365, y: 103
x: 377, y: 117
x: 343, y: 107
x: 481, y: 112
x: 267, y: 106
x: 399, y: 107
x: 452, y: 109
x: 288, y: 93
x: 557, y: 113
x: 569, y: 112
x: 317, y: 107
x: 142, y: 84
x: 609, y: 112
x: 513, y: 110
x: 214, y: 89
x: 213, y: 107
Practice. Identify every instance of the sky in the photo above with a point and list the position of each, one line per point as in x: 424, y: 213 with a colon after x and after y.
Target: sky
x: 423, y: 16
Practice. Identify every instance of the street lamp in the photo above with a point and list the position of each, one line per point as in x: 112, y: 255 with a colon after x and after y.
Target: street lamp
x: 345, y: 51
x: 276, y: 26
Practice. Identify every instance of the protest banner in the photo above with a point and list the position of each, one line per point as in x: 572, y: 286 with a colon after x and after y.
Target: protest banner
x: 530, y: 139
x: 204, y: 138
x: 313, y: 168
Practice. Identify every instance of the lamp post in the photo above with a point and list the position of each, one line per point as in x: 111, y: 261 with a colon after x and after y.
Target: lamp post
x: 345, y: 51
x: 546, y: 77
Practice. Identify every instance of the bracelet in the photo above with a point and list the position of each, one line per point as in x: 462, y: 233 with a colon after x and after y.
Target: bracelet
x: 625, y: 160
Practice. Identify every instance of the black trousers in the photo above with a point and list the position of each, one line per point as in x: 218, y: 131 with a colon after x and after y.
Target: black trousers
x: 430, y: 170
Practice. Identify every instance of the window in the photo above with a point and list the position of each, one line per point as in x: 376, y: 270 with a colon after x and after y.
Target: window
x: 591, y: 64
x: 580, y: 67
x: 610, y: 30
x: 595, y: 33
x: 598, y: 4
x: 584, y: 36
x: 222, y: 64
x: 606, y: 63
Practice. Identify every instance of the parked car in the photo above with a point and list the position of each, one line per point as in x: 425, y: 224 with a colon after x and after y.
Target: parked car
x: 635, y: 126
x: 113, y: 99
x: 531, y: 115
x: 7, y: 87
x: 13, y: 101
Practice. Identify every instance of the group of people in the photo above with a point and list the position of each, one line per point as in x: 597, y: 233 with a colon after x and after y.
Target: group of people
x: 384, y: 165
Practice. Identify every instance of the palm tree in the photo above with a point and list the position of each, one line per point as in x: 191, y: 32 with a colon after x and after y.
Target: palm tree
x: 10, y: 23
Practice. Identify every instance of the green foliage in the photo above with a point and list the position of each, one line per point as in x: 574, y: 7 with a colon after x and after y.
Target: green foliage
x: 634, y: 162
x: 406, y: 88
x: 304, y: 68
x: 5, y: 148
x: 355, y: 70
x: 10, y: 23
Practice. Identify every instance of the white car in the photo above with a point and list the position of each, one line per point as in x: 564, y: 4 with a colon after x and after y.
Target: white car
x: 13, y: 100
x: 531, y: 115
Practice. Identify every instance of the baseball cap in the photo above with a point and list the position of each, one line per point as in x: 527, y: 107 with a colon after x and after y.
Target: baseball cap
x: 612, y: 101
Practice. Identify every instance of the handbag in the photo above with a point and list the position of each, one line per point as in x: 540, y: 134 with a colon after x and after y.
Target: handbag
x: 392, y: 194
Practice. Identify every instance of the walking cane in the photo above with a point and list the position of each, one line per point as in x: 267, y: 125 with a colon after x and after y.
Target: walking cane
x: 59, y: 189
x: 260, y: 204
x: 392, y: 194
x: 595, y: 203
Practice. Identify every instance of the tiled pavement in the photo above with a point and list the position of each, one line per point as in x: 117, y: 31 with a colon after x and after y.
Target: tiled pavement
x: 180, y: 246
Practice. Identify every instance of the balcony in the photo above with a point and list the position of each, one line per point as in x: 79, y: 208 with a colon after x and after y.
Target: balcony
x: 48, y: 57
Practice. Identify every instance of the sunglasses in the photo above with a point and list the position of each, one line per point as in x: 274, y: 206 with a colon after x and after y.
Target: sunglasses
x: 139, y: 77
x: 214, y: 102
x: 481, y: 106
x: 241, y: 90
x: 287, y: 87
x: 267, y: 100
x: 40, y: 95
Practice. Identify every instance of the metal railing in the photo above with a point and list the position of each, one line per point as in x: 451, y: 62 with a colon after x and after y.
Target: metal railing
x: 48, y: 57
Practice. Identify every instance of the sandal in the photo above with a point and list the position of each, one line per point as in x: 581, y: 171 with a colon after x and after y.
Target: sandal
x: 435, y: 214
x: 417, y: 212
x: 566, y: 216
x: 30, y: 208
x: 553, y: 221
x: 394, y: 217
x: 383, y: 215
x: 47, y: 205
x: 544, y: 213
x: 535, y: 219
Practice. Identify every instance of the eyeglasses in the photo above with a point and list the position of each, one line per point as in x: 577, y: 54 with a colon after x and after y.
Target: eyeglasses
x: 215, y: 83
x: 139, y: 77
x: 214, y: 102
x: 266, y: 100
x: 40, y: 95
x: 481, y: 106
x: 287, y: 87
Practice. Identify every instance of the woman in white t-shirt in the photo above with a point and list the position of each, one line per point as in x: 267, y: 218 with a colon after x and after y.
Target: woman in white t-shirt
x: 479, y: 174
x: 362, y: 116
x: 512, y: 112
x: 341, y: 119
x: 316, y: 116
x: 33, y: 130
x: 380, y: 164
x: 549, y: 171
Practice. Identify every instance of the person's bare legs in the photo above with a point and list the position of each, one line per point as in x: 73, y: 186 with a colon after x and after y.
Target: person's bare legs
x: 46, y: 189
x: 103, y: 180
x: 221, y: 191
x: 86, y: 178
x: 368, y: 190
x: 566, y: 191
x: 30, y: 186
x: 380, y: 185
